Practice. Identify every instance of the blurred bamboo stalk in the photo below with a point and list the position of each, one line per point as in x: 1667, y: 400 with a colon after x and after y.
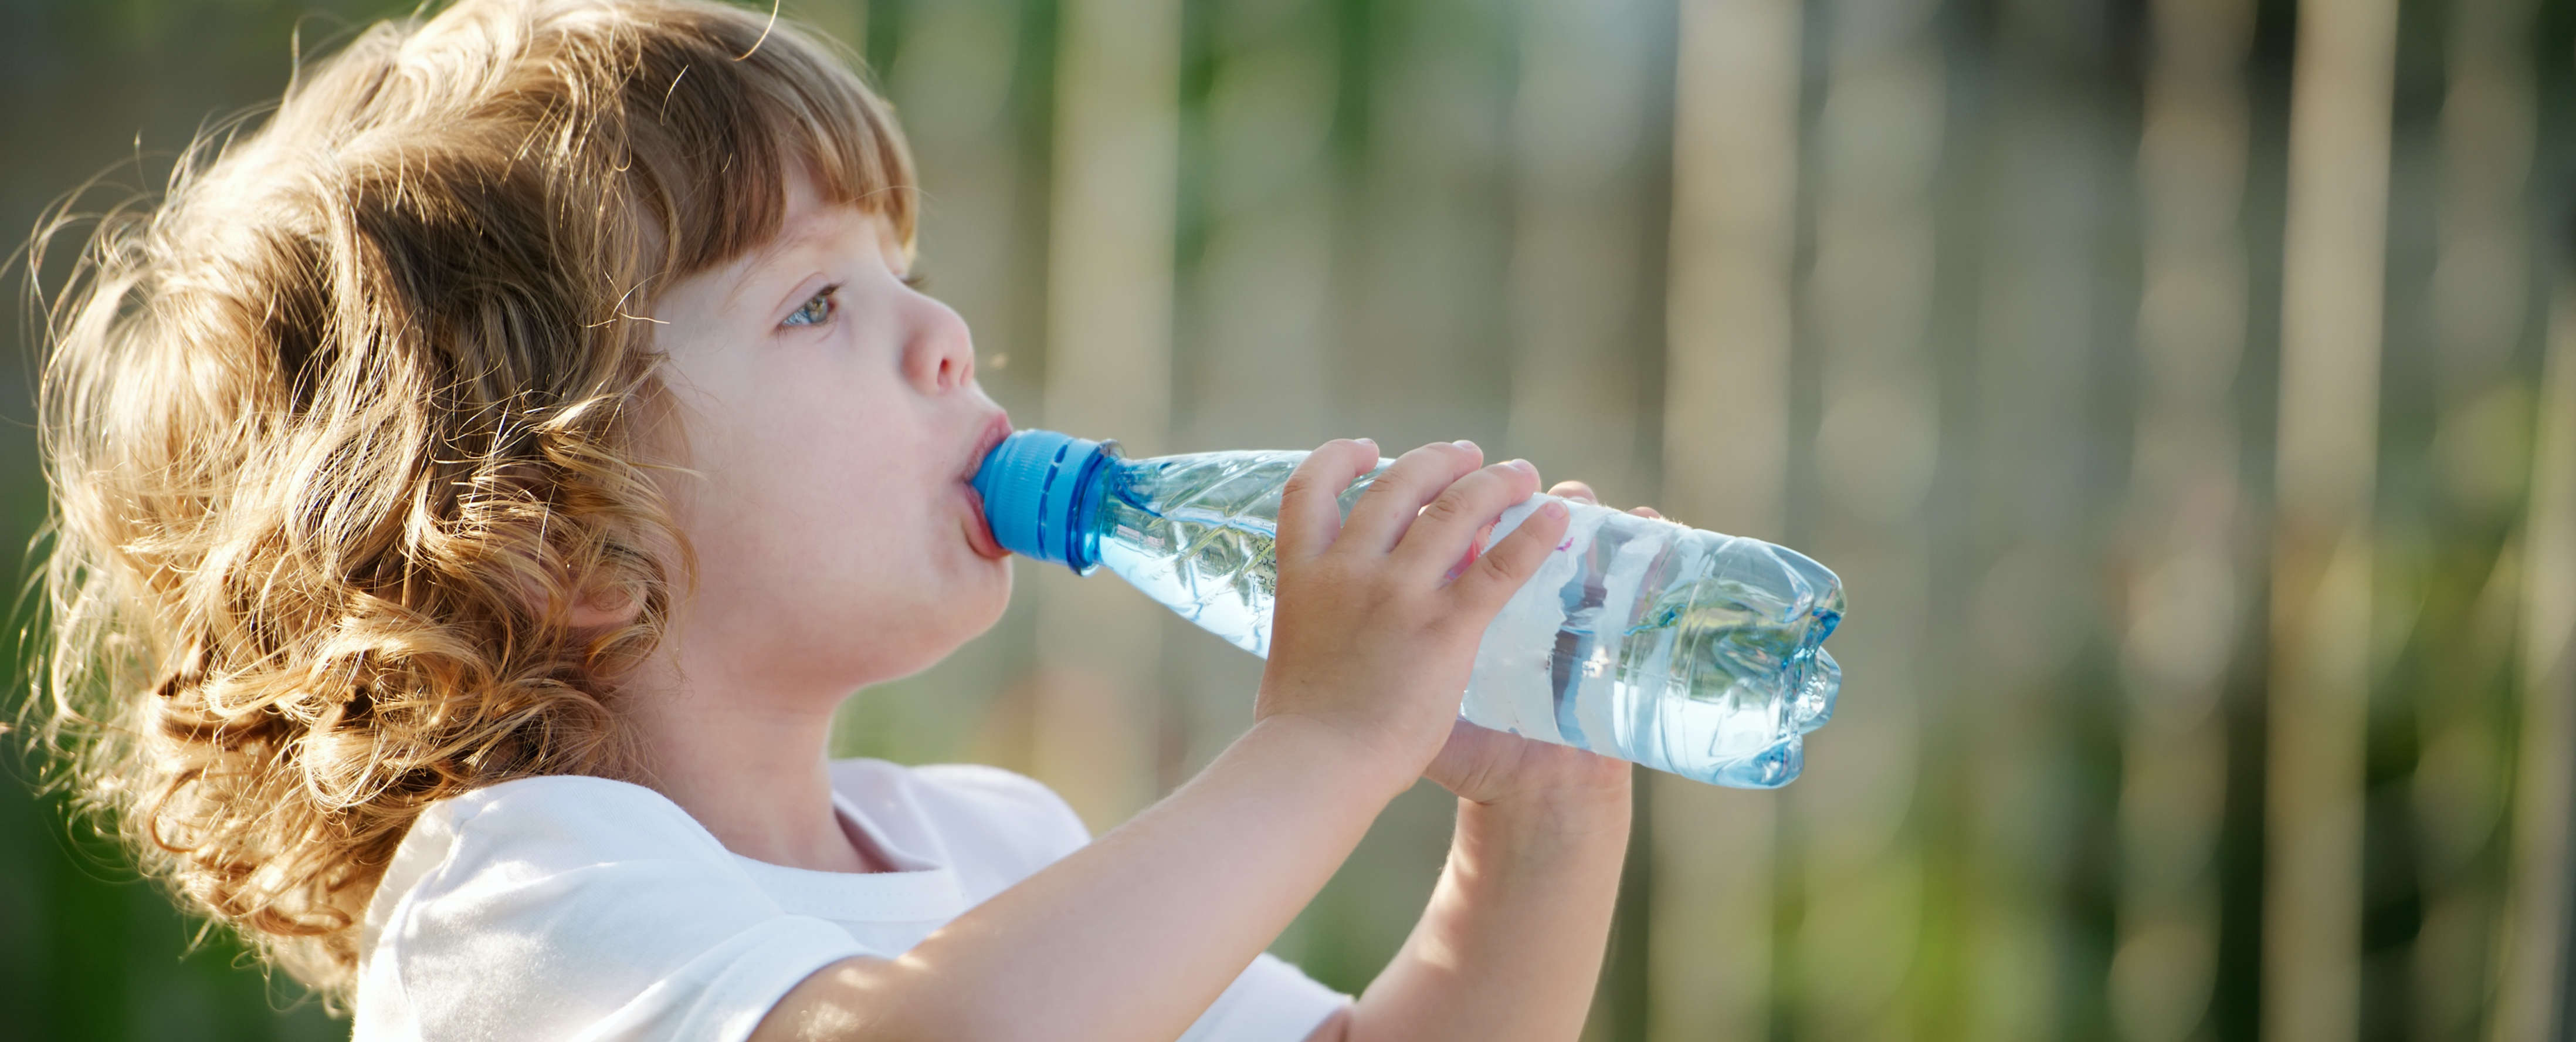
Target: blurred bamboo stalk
x: 1257, y: 308
x: 2045, y: 157
x: 1578, y: 128
x: 2489, y: 124
x: 2333, y: 248
x: 1859, y: 884
x: 2185, y: 521
x: 1262, y: 292
x: 2481, y: 290
x: 1426, y: 311
x: 1108, y: 373
x: 1727, y: 310
x: 2531, y: 1000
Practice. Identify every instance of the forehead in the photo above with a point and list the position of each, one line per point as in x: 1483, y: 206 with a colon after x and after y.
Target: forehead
x: 809, y: 228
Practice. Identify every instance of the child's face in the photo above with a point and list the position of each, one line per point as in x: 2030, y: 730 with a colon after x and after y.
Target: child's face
x: 833, y: 415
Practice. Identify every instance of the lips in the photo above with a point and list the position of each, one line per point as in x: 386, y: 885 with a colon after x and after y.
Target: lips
x: 979, y: 530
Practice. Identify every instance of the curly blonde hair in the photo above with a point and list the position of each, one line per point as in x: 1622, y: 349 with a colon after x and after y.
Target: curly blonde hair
x: 341, y: 428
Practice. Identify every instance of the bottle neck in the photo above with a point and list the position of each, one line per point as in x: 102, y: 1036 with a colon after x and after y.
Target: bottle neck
x: 1082, y: 508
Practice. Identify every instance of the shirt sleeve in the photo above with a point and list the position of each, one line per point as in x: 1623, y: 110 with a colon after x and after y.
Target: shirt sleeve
x: 577, y: 908
x: 1270, y: 1001
x: 992, y: 816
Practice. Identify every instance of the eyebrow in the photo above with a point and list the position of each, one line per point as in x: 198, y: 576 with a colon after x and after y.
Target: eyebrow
x: 761, y: 260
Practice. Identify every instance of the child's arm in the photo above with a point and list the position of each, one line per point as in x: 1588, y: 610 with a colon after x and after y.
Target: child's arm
x: 1512, y: 940
x: 1132, y: 936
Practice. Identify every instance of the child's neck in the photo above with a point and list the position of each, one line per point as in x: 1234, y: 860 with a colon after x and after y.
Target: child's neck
x: 752, y: 772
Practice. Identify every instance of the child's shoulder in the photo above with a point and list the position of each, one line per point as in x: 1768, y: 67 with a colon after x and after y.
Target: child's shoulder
x: 585, y: 818
x: 978, y: 819
x: 602, y: 818
x: 557, y: 847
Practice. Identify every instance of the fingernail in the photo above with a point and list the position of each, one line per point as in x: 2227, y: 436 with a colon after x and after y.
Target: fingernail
x: 1464, y: 444
x: 1554, y: 508
x: 1524, y: 465
x: 1370, y: 442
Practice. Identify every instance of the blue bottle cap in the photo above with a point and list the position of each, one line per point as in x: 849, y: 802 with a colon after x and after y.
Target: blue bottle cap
x: 1032, y: 484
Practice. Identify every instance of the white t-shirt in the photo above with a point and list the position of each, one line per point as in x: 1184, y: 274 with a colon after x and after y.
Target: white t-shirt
x: 582, y: 908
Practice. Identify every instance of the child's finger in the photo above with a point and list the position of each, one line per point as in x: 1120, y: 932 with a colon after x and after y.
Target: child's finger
x: 1448, y: 526
x: 1505, y: 566
x: 1387, y: 509
x: 1310, y: 512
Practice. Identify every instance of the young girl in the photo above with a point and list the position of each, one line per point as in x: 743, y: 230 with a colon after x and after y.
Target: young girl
x: 476, y: 488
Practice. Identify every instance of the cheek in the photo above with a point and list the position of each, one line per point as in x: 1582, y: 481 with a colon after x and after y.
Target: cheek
x: 784, y: 512
x: 836, y: 464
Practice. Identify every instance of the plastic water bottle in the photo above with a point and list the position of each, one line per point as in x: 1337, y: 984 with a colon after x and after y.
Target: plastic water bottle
x: 1681, y: 649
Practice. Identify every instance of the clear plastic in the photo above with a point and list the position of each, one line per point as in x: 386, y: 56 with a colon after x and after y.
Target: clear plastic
x: 1681, y: 649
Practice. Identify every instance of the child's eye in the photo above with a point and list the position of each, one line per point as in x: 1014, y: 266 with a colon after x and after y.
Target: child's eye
x: 816, y: 309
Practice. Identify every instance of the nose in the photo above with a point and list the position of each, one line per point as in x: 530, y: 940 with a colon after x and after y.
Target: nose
x: 939, y: 356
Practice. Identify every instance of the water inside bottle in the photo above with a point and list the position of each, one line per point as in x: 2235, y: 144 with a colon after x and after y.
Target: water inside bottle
x: 1199, y: 536
x: 1686, y: 651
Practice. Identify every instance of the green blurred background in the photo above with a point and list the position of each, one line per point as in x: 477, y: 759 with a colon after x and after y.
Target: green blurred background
x: 2183, y: 389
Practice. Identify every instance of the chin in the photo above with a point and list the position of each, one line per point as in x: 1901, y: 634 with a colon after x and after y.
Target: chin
x: 963, y: 618
x: 995, y: 598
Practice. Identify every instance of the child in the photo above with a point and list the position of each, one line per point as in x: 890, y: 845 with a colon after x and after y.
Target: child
x: 476, y: 488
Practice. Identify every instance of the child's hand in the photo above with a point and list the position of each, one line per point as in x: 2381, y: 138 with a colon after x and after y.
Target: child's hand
x: 1370, y: 637
x: 1500, y: 768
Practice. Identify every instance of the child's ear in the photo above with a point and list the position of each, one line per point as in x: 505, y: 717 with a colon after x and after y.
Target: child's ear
x: 596, y: 606
x: 601, y: 608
